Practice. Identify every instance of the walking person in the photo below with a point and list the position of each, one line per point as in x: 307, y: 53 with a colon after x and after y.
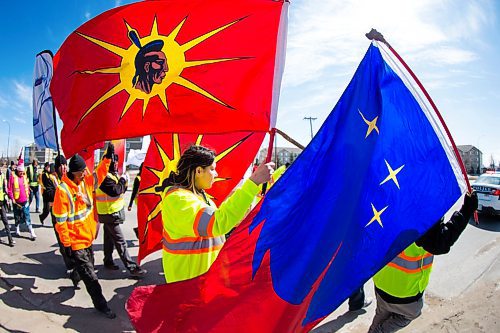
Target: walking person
x: 133, y: 196
x: 19, y: 192
x: 111, y: 212
x: 48, y: 187
x: 56, y: 172
x: 400, y: 285
x: 76, y: 225
x: 11, y: 169
x: 3, y: 208
x: 32, y: 173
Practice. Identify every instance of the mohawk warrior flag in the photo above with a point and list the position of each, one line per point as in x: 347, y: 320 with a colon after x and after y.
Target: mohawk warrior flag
x: 317, y: 236
x: 171, y: 66
x: 234, y: 152
x: 44, y: 118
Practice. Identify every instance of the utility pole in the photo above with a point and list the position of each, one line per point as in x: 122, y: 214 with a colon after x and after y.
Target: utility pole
x: 310, y: 124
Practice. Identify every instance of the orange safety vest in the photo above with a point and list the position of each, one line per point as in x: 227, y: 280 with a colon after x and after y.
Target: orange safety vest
x: 73, y: 208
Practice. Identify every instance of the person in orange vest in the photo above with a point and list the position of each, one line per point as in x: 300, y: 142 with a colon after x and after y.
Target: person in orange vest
x: 400, y: 285
x: 76, y: 221
x: 60, y: 169
x: 193, y: 227
x: 3, y: 208
x: 19, y: 192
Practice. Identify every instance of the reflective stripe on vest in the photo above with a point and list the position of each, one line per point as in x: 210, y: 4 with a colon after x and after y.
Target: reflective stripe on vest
x: 17, y: 191
x: 107, y: 204
x: 192, y: 245
x: 204, y: 222
x: 412, y: 264
x: 406, y: 275
x: 72, y: 215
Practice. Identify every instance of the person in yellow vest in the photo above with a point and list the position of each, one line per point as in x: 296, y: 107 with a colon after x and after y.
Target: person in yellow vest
x: 32, y: 174
x: 133, y: 196
x: 76, y: 225
x: 19, y: 192
x: 3, y: 208
x: 111, y: 212
x: 193, y: 227
x: 400, y: 285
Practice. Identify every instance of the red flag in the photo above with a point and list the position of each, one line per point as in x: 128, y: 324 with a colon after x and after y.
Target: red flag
x: 235, y: 151
x: 226, y: 299
x: 170, y: 66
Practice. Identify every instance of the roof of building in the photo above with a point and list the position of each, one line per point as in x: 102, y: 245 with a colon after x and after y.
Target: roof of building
x: 466, y: 148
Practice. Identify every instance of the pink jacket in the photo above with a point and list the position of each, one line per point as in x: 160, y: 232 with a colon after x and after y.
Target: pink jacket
x: 23, y: 189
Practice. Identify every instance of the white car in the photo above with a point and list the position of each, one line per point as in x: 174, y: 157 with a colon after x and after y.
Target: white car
x: 487, y: 187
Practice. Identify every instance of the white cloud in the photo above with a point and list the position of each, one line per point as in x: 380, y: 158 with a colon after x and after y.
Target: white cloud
x: 118, y: 3
x: 87, y: 15
x: 20, y: 120
x: 324, y: 34
x: 24, y: 94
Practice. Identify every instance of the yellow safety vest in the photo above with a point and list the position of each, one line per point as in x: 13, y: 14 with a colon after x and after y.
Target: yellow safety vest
x: 17, y: 190
x: 33, y: 176
x: 2, y: 193
x: 406, y: 275
x: 193, y: 231
x: 107, y: 204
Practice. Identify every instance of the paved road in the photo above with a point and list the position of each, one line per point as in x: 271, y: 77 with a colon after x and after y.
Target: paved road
x: 35, y: 295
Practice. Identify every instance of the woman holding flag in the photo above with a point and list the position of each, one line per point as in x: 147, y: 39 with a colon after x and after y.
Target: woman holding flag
x: 193, y: 227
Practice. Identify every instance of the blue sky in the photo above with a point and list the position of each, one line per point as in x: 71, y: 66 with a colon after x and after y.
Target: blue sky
x: 452, y: 45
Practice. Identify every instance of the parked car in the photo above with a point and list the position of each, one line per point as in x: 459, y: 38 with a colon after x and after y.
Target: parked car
x: 487, y: 187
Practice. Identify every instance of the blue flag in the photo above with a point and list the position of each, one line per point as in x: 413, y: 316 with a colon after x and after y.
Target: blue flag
x: 378, y: 174
x: 44, y: 129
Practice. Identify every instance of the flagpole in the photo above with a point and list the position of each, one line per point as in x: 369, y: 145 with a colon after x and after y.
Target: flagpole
x: 375, y: 35
x: 272, y: 135
x: 289, y: 139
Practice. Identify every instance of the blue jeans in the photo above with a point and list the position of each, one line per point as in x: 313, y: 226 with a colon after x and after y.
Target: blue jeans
x: 22, y: 214
x: 35, y: 192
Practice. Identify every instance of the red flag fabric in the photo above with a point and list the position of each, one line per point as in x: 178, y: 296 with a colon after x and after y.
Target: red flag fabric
x: 226, y: 299
x: 120, y: 146
x: 235, y: 152
x: 170, y: 66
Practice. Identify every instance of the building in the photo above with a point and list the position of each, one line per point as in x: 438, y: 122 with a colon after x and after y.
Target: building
x: 42, y: 155
x: 281, y: 155
x: 472, y: 158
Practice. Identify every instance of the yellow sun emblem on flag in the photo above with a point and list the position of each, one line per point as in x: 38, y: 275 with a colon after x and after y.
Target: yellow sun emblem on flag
x: 169, y: 165
x: 151, y: 64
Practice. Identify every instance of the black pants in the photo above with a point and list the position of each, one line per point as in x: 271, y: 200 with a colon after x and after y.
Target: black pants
x: 113, y: 238
x: 68, y: 262
x: 3, y: 213
x: 46, y: 209
x: 357, y: 299
x: 84, y: 264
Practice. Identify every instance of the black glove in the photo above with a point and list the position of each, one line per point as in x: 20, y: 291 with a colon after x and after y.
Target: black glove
x: 469, y: 206
x: 110, y: 151
x: 68, y: 251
